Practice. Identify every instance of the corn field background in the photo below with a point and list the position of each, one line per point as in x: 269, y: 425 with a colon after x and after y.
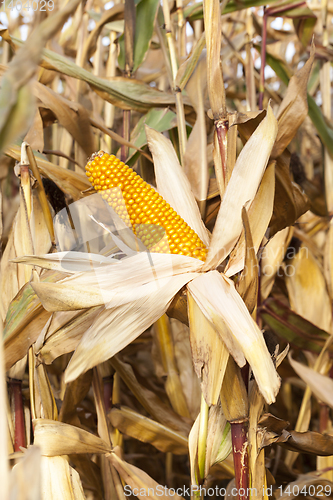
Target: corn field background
x: 209, y: 370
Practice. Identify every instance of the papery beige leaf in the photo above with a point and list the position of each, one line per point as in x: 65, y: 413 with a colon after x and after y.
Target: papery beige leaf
x: 146, y: 430
x: 64, y: 338
x: 139, y: 482
x: 320, y: 385
x: 216, y: 296
x: 173, y: 184
x: 59, y: 481
x: 56, y: 438
x: 234, y: 399
x: 307, y: 289
x: 149, y: 400
x: 195, y: 158
x: 294, y: 107
x: 26, y: 477
x: 242, y: 188
x: 75, y: 393
x: 259, y: 214
x: 173, y: 387
x: 209, y: 353
x: 128, y: 321
x: 73, y: 116
x: 187, y: 375
x: 35, y: 134
x: 271, y: 259
x: 247, y: 286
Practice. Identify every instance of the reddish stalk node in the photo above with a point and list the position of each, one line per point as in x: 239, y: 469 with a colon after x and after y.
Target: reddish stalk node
x: 15, y: 387
x: 241, y: 458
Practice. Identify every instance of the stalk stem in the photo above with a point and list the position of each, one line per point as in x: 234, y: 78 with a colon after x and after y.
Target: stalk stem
x: 126, y: 133
x: 263, y: 61
x: 19, y: 427
x: 221, y: 127
x: 241, y: 459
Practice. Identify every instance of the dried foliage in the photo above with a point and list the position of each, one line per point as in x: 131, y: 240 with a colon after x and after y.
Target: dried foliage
x: 125, y: 372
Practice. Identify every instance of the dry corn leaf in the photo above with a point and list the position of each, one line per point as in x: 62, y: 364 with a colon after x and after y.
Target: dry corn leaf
x: 247, y: 286
x: 242, y: 188
x: 71, y: 115
x: 294, y: 107
x: 307, y: 291
x: 26, y: 477
x: 209, y: 353
x: 234, y: 399
x: 59, y: 481
x: 46, y: 407
x: 149, y: 400
x: 195, y: 158
x: 173, y: 386
x: 289, y: 200
x: 64, y: 338
x: 128, y: 321
x: 15, y: 96
x: 139, y: 482
x: 4, y: 466
x: 216, y: 296
x: 320, y: 385
x: 259, y: 213
x: 187, y: 375
x: 35, y: 134
x: 75, y: 393
x: 177, y: 191
x: 56, y: 438
x: 271, y: 259
x: 148, y: 431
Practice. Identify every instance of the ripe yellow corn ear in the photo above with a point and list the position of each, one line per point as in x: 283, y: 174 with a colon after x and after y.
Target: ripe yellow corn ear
x: 151, y: 218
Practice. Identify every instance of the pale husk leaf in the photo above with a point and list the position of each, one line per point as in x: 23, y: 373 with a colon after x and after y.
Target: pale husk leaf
x: 139, y: 480
x: 4, y: 466
x: 56, y: 438
x: 59, y: 481
x: 209, y: 353
x: 216, y: 296
x: 173, y: 184
x: 27, y: 472
x: 259, y: 214
x: 128, y: 321
x: 187, y: 375
x: 271, y: 259
x: 234, y: 398
x: 148, y: 431
x: 241, y: 189
x: 307, y: 290
x: 320, y: 385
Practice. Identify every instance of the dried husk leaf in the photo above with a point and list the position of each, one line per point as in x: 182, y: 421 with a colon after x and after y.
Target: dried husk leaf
x: 259, y: 214
x: 234, y: 399
x: 46, y: 408
x: 59, y: 481
x: 128, y: 321
x: 247, y: 286
x: 294, y: 107
x: 271, y: 259
x: 4, y: 466
x: 75, y: 393
x: 209, y: 353
x: 148, y: 431
x: 173, y: 386
x: 56, y: 438
x: 35, y: 134
x: 195, y: 158
x: 222, y: 305
x: 149, y: 400
x: 73, y: 116
x: 242, y: 188
x: 320, y: 385
x: 307, y: 290
x: 25, y: 477
x: 64, y: 338
x: 173, y: 184
x: 187, y: 375
x: 139, y: 480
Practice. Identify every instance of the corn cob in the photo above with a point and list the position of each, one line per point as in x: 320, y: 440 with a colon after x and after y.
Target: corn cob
x: 151, y: 218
